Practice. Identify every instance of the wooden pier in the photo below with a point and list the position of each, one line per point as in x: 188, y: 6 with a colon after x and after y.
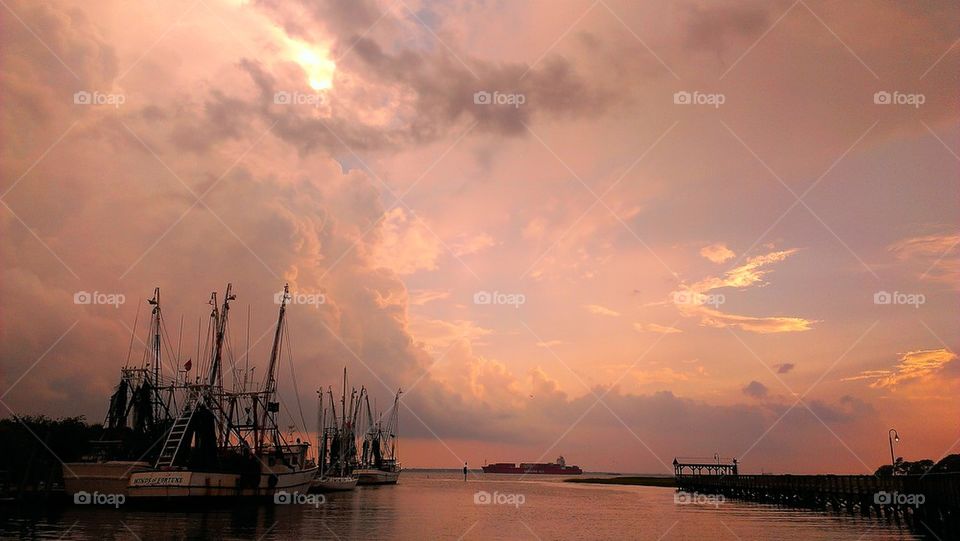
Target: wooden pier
x: 929, y: 502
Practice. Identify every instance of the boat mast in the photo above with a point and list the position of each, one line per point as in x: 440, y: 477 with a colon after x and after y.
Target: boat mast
x: 395, y: 428
x: 270, y: 385
x: 321, y: 433
x: 221, y: 331
x: 343, y: 422
x: 155, y: 323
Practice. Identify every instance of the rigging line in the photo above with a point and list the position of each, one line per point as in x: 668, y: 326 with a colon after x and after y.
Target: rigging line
x: 165, y: 338
x: 133, y: 333
x: 246, y: 356
x: 230, y: 355
x: 293, y: 375
x: 199, y: 334
x: 179, y: 344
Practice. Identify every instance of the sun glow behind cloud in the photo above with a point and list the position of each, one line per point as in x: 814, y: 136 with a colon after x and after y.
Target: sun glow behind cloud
x: 315, y: 62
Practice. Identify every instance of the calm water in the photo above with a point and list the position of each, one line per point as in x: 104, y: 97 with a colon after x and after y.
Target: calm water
x: 441, y: 506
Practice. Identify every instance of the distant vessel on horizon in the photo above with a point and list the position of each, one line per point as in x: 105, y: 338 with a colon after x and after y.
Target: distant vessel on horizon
x: 559, y: 467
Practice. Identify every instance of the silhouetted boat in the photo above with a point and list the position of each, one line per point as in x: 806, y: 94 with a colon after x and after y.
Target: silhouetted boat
x: 227, y: 443
x: 379, y: 459
x: 336, y: 441
x: 138, y: 414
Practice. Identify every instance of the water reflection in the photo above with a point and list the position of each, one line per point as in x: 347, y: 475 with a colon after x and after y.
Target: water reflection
x: 442, y: 506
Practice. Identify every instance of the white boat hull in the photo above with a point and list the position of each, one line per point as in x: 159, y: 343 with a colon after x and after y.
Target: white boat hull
x: 376, y: 477
x: 177, y: 484
x: 111, y: 477
x: 333, y: 484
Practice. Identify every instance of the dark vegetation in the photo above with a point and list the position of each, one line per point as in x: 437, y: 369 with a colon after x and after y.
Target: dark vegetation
x: 31, y: 449
x: 949, y: 464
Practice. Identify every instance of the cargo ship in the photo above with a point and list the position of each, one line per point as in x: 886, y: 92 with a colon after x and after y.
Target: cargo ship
x: 559, y: 467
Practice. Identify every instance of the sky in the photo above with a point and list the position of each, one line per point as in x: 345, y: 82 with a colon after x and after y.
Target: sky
x: 622, y: 232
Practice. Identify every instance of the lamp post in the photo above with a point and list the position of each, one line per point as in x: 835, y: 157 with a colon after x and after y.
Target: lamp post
x: 892, y: 436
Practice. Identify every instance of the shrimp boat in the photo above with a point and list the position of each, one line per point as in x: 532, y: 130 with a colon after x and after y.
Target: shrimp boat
x: 227, y: 444
x: 138, y: 414
x: 336, y: 441
x: 379, y: 460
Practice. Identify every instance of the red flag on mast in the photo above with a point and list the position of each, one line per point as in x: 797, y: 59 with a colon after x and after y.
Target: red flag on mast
x: 188, y: 365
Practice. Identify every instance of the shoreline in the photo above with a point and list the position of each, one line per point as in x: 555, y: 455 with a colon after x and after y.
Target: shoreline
x: 664, y: 482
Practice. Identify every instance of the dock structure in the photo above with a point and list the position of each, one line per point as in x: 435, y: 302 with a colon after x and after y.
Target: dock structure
x: 700, y: 467
x: 928, y: 502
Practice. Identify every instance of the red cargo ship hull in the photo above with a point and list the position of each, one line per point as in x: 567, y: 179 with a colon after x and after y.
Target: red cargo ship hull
x: 544, y: 469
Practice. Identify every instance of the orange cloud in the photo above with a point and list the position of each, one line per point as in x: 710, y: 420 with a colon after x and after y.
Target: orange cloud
x: 695, y: 300
x: 914, y: 365
x: 760, y: 325
x: 717, y: 252
x: 407, y: 244
x: 601, y: 310
x: 421, y: 297
x: 472, y: 245
x: 744, y: 275
x: 653, y: 327
x: 935, y: 256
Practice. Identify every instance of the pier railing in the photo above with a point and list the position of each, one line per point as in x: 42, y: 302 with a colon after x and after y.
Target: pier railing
x: 929, y: 501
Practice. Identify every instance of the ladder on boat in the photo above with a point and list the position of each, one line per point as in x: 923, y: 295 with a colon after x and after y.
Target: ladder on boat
x: 176, y: 436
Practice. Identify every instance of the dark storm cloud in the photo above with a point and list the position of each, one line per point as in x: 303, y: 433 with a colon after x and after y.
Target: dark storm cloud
x: 755, y: 389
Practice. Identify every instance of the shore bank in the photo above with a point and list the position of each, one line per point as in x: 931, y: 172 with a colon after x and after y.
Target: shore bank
x: 641, y: 481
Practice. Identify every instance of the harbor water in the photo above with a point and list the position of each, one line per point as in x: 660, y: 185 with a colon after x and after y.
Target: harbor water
x: 440, y: 505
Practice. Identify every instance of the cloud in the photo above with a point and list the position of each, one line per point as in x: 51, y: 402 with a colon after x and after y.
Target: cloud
x: 653, y: 327
x: 408, y: 245
x: 471, y: 244
x: 717, y: 253
x: 421, y: 297
x: 295, y: 195
x: 759, y: 325
x: 934, y: 257
x: 714, y: 28
x: 695, y: 300
x: 785, y: 368
x: 601, y: 310
x: 750, y: 273
x: 913, y: 366
x: 755, y: 389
